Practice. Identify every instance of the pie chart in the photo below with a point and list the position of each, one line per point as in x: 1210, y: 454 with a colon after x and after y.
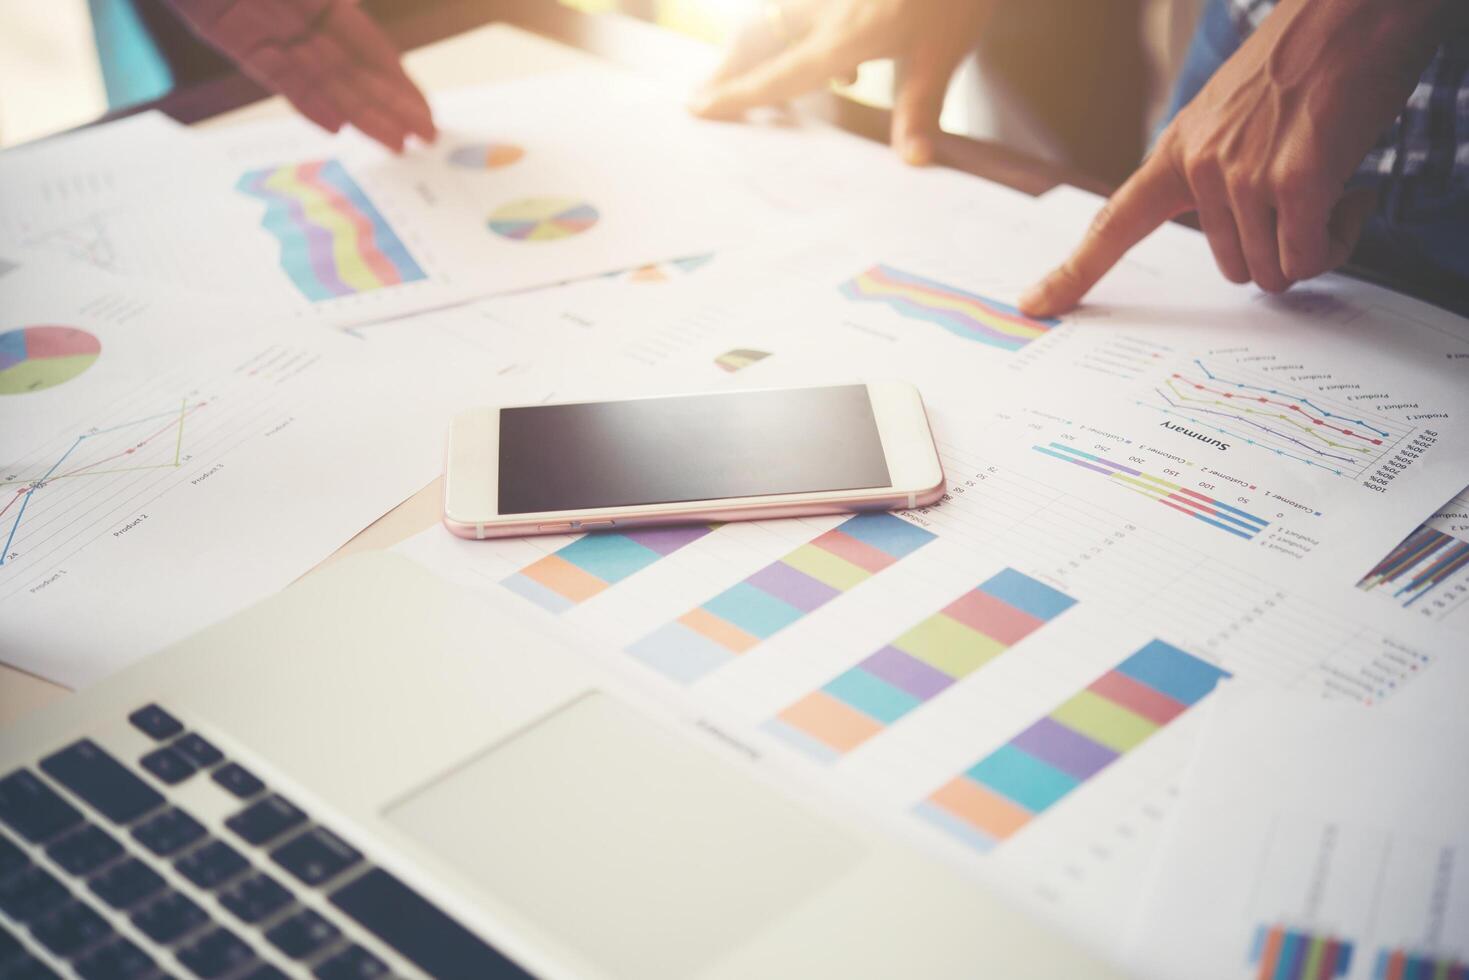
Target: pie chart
x: 35, y: 358
x: 485, y: 156
x: 543, y: 219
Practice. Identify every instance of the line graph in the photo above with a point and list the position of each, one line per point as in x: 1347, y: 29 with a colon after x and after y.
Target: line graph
x: 30, y: 486
x: 1308, y: 428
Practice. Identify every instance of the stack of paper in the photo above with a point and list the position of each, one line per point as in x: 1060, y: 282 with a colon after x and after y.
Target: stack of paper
x: 1183, y: 489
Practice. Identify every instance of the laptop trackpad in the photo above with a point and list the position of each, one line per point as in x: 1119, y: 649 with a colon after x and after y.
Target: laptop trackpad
x: 644, y: 854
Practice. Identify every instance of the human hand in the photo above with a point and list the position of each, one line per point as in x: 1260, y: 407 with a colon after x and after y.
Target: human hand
x: 803, y: 44
x: 1265, y: 150
x: 326, y: 57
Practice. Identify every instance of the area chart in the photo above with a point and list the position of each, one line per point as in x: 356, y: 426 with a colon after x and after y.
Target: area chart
x: 963, y: 314
x: 919, y: 665
x: 1007, y: 789
x: 333, y: 240
x: 783, y: 592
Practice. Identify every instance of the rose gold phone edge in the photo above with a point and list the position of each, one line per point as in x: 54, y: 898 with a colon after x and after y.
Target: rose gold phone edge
x: 894, y: 404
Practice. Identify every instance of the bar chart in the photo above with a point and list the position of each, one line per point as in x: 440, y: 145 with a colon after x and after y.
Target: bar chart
x: 919, y: 665
x: 783, y: 592
x: 1400, y: 964
x: 1213, y: 512
x: 1281, y: 953
x: 593, y: 563
x: 1007, y: 789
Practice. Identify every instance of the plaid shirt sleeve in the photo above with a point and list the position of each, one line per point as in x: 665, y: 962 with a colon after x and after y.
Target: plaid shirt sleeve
x: 1430, y: 139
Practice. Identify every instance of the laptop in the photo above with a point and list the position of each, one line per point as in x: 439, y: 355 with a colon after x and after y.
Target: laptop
x: 371, y: 774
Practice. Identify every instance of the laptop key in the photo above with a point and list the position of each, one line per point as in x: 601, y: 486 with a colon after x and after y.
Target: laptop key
x: 30, y: 894
x: 118, y: 960
x: 70, y: 929
x: 198, y: 750
x: 265, y: 819
x: 169, y: 832
x: 12, y: 858
x: 238, y: 780
x: 406, y: 921
x: 257, y: 897
x: 126, y: 884
x: 84, y: 851
x: 168, y: 765
x: 212, y: 865
x: 34, y: 810
x: 156, y: 723
x: 302, y: 934
x: 169, y: 918
x: 29, y: 968
x: 316, y: 856
x: 115, y: 791
x: 217, y: 953
x: 352, y: 963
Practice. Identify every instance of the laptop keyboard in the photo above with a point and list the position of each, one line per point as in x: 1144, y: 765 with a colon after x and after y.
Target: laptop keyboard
x: 108, y: 874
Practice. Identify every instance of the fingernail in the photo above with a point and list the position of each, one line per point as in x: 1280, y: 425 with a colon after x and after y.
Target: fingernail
x: 1032, y: 301
x: 917, y: 152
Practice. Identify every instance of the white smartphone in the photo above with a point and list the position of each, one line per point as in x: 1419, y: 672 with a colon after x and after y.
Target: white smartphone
x: 786, y: 452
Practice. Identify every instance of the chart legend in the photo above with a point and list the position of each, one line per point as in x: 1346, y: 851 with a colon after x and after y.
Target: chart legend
x: 783, y: 592
x: 41, y: 357
x: 1306, y: 427
x: 1007, y: 789
x: 1400, y: 964
x: 485, y: 156
x: 543, y: 219
x: 1215, y: 513
x: 739, y: 359
x: 333, y: 240
x: 594, y: 563
x: 963, y: 314
x: 919, y: 665
x: 1279, y: 953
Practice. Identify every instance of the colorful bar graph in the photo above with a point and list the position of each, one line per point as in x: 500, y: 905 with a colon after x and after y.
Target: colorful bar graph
x: 1117, y: 712
x: 1399, y: 964
x: 963, y: 314
x: 333, y: 240
x: 1419, y: 565
x: 594, y: 562
x: 1279, y: 953
x: 919, y: 665
x: 739, y: 618
x: 1215, y: 513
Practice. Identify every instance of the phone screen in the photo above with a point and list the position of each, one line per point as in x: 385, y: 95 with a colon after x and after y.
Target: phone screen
x: 688, y: 448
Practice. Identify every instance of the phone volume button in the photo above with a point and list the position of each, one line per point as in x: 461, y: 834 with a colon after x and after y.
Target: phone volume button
x: 553, y: 527
x: 596, y: 525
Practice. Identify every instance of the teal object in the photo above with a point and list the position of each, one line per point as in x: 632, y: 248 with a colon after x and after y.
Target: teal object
x: 133, y: 68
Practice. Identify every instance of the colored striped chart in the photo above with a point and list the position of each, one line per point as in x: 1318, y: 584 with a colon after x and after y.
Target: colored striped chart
x: 1421, y: 564
x: 485, y: 156
x: 543, y: 219
x: 963, y: 314
x: 334, y: 241
x: 919, y: 665
x: 739, y: 618
x: 1215, y: 513
x: 37, y: 358
x: 1398, y: 964
x: 595, y: 562
x: 658, y: 272
x: 1118, y: 711
x: 1279, y: 953
x: 739, y: 359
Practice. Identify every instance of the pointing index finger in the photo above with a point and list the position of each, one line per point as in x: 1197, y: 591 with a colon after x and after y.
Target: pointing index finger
x: 1156, y: 193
